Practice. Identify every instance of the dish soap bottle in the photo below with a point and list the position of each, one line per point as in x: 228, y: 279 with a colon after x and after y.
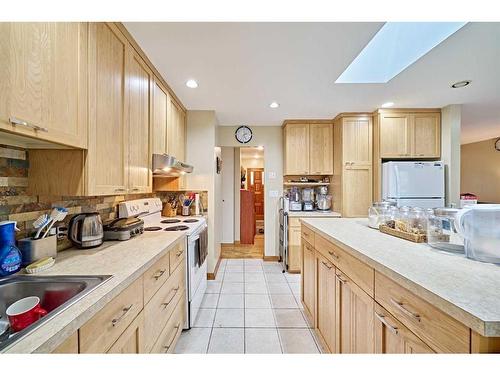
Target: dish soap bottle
x: 10, y: 256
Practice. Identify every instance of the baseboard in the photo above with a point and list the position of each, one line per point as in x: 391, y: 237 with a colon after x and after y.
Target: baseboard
x: 271, y: 258
x: 212, y: 275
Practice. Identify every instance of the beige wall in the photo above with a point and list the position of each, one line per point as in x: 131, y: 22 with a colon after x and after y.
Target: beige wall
x: 480, y: 170
x: 451, y: 122
x: 252, y: 163
x: 271, y: 138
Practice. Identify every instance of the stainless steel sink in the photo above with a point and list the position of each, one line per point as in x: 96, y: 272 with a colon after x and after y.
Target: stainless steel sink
x: 56, y: 294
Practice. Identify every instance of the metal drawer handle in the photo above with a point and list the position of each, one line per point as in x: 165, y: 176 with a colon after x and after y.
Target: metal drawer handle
x: 386, y: 323
x: 306, y: 234
x: 327, y: 265
x: 332, y: 253
x: 343, y: 281
x: 177, y: 326
x: 159, y: 274
x: 410, y: 313
x: 136, y: 189
x: 125, y: 310
x: 179, y: 253
x: 120, y: 189
x: 165, y: 304
x: 17, y: 121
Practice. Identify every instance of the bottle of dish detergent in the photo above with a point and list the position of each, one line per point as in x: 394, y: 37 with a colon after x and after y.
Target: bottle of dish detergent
x: 10, y: 256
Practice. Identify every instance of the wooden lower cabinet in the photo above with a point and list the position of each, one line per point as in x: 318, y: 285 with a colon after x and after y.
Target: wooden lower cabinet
x: 326, y: 303
x: 392, y: 337
x: 172, y: 330
x: 308, y: 280
x: 294, y: 249
x: 69, y: 346
x: 131, y: 341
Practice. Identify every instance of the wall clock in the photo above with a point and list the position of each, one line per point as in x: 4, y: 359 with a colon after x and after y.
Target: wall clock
x: 497, y: 144
x: 243, y: 134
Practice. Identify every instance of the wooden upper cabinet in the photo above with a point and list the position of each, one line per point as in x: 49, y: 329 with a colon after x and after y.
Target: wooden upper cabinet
x: 140, y: 89
x: 326, y: 301
x: 43, y: 81
x: 427, y: 135
x: 176, y: 130
x: 357, y: 141
x: 296, y: 149
x: 161, y: 100
x: 321, y: 149
x: 395, y: 135
x: 108, y: 133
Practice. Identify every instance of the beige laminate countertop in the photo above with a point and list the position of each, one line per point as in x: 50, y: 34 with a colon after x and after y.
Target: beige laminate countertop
x: 313, y: 214
x: 125, y: 261
x: 465, y: 289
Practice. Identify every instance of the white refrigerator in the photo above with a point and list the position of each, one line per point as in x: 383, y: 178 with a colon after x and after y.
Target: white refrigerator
x: 414, y: 184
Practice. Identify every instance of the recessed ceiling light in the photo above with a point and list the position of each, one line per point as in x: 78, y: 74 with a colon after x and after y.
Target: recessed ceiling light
x: 460, y: 84
x: 387, y: 105
x: 396, y: 46
x: 274, y: 105
x: 192, y: 84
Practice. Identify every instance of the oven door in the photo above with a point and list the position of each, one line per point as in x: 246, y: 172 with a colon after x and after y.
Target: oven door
x: 197, y: 276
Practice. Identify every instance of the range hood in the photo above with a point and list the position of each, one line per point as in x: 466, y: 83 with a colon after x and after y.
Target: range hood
x: 168, y: 166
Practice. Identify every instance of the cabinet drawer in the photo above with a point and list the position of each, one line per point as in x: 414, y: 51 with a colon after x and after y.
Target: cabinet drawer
x: 177, y: 255
x: 173, y: 329
x: 437, y: 329
x: 156, y: 276
x: 308, y: 235
x: 359, y: 272
x: 131, y: 341
x: 294, y: 222
x: 159, y: 309
x: 99, y: 333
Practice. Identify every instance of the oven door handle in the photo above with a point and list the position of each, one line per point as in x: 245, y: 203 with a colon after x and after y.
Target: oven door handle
x: 195, y: 238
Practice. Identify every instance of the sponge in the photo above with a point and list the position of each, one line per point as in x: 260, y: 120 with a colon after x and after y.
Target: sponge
x: 40, y: 265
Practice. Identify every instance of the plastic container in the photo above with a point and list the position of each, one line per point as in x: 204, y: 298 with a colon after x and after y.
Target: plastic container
x: 10, y: 256
x: 441, y: 231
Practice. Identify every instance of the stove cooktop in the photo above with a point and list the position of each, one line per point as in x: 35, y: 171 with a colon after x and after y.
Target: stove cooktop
x: 170, y: 221
x: 176, y: 228
x: 152, y: 229
x: 190, y: 221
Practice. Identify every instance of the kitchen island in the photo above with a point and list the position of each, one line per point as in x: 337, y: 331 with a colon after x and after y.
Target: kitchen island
x: 430, y: 301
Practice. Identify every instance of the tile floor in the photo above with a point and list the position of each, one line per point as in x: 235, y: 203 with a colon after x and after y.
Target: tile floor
x: 251, y: 307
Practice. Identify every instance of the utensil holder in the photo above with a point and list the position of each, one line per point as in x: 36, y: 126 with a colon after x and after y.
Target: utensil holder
x: 186, y: 210
x: 33, y: 250
x: 168, y: 211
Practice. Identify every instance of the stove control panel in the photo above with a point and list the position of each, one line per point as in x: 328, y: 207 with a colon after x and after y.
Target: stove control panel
x: 139, y: 207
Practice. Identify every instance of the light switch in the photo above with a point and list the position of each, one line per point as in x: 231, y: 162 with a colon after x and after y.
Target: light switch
x: 273, y: 193
x: 272, y: 175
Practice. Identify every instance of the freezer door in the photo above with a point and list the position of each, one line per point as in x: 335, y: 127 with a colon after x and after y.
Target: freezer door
x: 413, y: 180
x: 422, y: 203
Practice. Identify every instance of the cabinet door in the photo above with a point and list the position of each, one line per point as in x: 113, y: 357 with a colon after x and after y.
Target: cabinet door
x: 308, y: 279
x: 294, y: 249
x: 296, y: 149
x: 321, y: 149
x: 69, y: 346
x: 354, y: 317
x: 357, y: 191
x: 107, y: 157
x: 427, y: 135
x: 131, y: 340
x: 43, y: 80
x: 176, y: 131
x: 325, y: 314
x: 357, y: 141
x: 392, y: 337
x: 395, y: 135
x: 160, y: 119
x: 140, y: 80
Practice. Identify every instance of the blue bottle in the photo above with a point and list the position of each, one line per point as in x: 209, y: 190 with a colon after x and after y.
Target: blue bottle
x: 10, y: 256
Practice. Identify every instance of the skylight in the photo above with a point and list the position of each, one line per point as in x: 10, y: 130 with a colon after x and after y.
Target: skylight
x: 396, y: 46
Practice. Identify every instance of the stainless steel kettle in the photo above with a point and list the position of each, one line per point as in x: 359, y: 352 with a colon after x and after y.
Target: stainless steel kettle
x: 85, y: 230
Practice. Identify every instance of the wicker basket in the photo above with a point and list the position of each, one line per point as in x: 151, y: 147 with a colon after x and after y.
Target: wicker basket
x: 419, y: 238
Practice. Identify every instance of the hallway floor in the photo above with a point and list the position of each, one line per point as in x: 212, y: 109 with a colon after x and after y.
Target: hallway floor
x: 251, y: 307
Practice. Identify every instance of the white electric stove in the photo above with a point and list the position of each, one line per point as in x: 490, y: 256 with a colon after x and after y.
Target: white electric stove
x: 195, y: 227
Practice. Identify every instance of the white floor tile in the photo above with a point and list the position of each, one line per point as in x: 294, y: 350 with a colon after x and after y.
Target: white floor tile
x: 220, y: 275
x: 231, y: 301
x: 257, y: 301
x: 213, y: 286
x: 209, y: 301
x: 229, y: 318
x: 298, y: 340
x: 227, y: 340
x: 254, y: 269
x: 232, y: 268
x: 279, y: 288
x: 255, y: 288
x: 234, y: 262
x: 289, y: 318
x: 255, y: 277
x: 262, y: 341
x: 193, y: 341
x: 275, y: 278
x: 282, y: 301
x: 253, y: 262
x: 232, y: 288
x: 293, y: 277
x: 259, y: 318
x: 295, y: 287
x: 205, y: 318
x: 233, y: 277
x: 272, y: 268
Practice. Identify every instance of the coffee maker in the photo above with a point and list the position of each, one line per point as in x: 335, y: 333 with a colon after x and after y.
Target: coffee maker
x: 323, y: 199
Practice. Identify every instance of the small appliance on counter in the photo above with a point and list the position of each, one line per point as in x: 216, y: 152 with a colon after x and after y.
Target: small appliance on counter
x: 295, y: 199
x: 323, y: 199
x: 85, y: 230
x: 308, y: 199
x: 122, y: 229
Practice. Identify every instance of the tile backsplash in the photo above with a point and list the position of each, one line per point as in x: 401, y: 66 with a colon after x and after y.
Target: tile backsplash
x: 17, y: 205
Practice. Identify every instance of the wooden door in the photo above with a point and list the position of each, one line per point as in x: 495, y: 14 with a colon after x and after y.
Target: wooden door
x: 395, y: 135
x: 140, y: 80
x: 255, y: 178
x: 426, y: 135
x: 43, y: 80
x: 160, y: 105
x: 353, y: 318
x: 296, y: 149
x: 107, y: 158
x: 392, y: 337
x: 326, y: 301
x: 308, y: 279
x: 294, y: 249
x: 132, y: 339
x: 321, y: 149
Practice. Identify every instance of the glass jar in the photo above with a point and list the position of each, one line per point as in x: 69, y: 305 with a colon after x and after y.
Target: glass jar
x: 378, y: 213
x: 403, y: 222
x: 441, y: 231
x: 391, y: 216
x: 418, y: 220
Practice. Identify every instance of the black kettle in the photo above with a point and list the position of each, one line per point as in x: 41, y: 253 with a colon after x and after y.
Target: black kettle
x: 85, y: 230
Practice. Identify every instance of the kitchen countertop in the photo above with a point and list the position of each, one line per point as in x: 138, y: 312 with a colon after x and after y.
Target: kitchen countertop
x: 313, y: 214
x: 125, y: 261
x: 465, y: 289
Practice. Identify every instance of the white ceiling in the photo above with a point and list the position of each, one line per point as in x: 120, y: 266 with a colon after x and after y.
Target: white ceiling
x: 242, y: 67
